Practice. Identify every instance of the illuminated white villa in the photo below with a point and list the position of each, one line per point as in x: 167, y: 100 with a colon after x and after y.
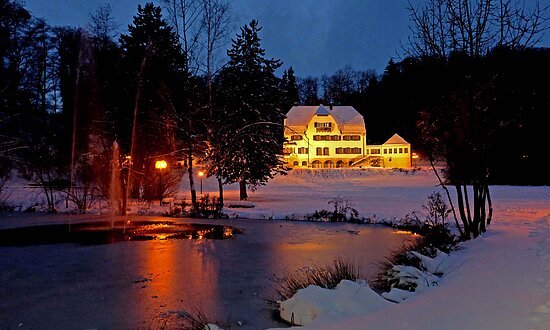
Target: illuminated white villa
x: 335, y: 136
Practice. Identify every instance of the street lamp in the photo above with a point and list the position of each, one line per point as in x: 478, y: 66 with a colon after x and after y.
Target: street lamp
x: 201, y: 174
x: 160, y: 165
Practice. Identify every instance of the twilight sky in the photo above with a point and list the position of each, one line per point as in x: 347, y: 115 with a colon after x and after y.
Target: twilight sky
x: 314, y: 36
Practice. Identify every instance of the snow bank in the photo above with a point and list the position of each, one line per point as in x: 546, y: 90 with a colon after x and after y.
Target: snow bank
x: 347, y: 299
x: 357, y: 298
x: 498, y: 281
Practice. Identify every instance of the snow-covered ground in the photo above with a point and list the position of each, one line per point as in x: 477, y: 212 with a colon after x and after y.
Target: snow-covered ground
x: 499, y: 281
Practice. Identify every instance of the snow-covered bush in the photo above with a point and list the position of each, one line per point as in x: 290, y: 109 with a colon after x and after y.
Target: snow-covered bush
x: 347, y: 299
x: 325, y: 277
x: 434, y: 245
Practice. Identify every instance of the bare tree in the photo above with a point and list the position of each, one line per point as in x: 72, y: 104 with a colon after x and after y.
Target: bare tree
x: 185, y: 17
x: 474, y: 27
x: 202, y: 26
x: 461, y: 127
x: 102, y: 23
x: 216, y: 22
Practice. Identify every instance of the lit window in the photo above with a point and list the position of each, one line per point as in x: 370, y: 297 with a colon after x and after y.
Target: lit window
x: 386, y: 151
x: 295, y: 164
x: 400, y: 150
x: 304, y: 163
x: 323, y: 127
x: 406, y: 150
x: 391, y: 150
x: 394, y: 150
x: 319, y: 151
x: 325, y: 151
x: 296, y: 137
x: 375, y: 151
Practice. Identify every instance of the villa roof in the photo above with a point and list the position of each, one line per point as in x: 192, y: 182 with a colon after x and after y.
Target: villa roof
x: 346, y: 117
x: 396, y: 139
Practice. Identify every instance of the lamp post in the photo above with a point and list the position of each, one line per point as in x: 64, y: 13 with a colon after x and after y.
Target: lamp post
x: 160, y: 165
x: 201, y: 174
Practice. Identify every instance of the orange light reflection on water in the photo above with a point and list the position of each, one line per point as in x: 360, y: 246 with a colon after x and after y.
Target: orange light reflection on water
x: 177, y: 277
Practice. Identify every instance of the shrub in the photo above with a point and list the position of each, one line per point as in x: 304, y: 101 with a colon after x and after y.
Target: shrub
x: 437, y: 210
x: 326, y: 277
x: 343, y: 212
x: 195, y: 320
x: 383, y: 282
x: 435, y: 236
x: 208, y: 207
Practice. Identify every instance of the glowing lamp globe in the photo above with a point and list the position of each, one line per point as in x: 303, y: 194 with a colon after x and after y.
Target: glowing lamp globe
x: 160, y: 164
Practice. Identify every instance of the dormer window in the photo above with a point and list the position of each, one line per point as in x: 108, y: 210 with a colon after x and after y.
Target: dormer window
x: 323, y: 127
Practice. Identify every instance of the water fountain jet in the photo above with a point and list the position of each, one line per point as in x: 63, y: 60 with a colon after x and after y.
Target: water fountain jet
x: 115, y: 190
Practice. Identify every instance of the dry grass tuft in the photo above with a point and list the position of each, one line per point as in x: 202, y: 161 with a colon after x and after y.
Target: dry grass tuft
x: 326, y: 277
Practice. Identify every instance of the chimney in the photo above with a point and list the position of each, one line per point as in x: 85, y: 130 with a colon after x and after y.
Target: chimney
x: 330, y: 105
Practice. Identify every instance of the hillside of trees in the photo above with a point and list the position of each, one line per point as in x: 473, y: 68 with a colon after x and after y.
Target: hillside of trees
x: 393, y: 102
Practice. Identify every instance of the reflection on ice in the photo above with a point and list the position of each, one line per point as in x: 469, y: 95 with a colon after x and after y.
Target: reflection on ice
x: 105, y: 233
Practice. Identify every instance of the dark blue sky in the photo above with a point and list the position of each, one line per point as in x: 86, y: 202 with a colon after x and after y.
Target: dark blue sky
x: 314, y: 36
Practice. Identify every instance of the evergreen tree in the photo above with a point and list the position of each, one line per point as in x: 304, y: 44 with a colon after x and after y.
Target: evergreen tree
x: 249, y: 144
x: 153, y: 64
x: 289, y: 87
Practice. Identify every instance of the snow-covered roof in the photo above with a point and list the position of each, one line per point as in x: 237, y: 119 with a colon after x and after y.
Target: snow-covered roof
x: 347, y: 118
x: 396, y: 139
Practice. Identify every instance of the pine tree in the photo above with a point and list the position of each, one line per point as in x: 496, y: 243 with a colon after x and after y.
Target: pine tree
x: 249, y: 143
x: 154, y: 64
x: 290, y: 89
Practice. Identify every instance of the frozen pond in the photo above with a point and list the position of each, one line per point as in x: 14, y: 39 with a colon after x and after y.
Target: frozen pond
x: 145, y: 284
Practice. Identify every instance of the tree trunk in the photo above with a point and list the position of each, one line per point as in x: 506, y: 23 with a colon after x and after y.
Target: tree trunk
x: 476, y: 223
x: 220, y: 188
x: 442, y: 184
x: 242, y: 189
x: 124, y: 179
x: 460, y: 201
x: 191, y: 179
x: 489, y: 205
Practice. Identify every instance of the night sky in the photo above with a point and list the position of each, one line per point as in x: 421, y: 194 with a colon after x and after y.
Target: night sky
x: 314, y: 36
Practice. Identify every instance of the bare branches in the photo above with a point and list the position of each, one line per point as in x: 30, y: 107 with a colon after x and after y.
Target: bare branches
x: 202, y: 26
x: 185, y: 17
x: 474, y: 27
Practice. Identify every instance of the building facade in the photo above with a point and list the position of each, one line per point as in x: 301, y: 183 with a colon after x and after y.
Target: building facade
x: 335, y: 137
